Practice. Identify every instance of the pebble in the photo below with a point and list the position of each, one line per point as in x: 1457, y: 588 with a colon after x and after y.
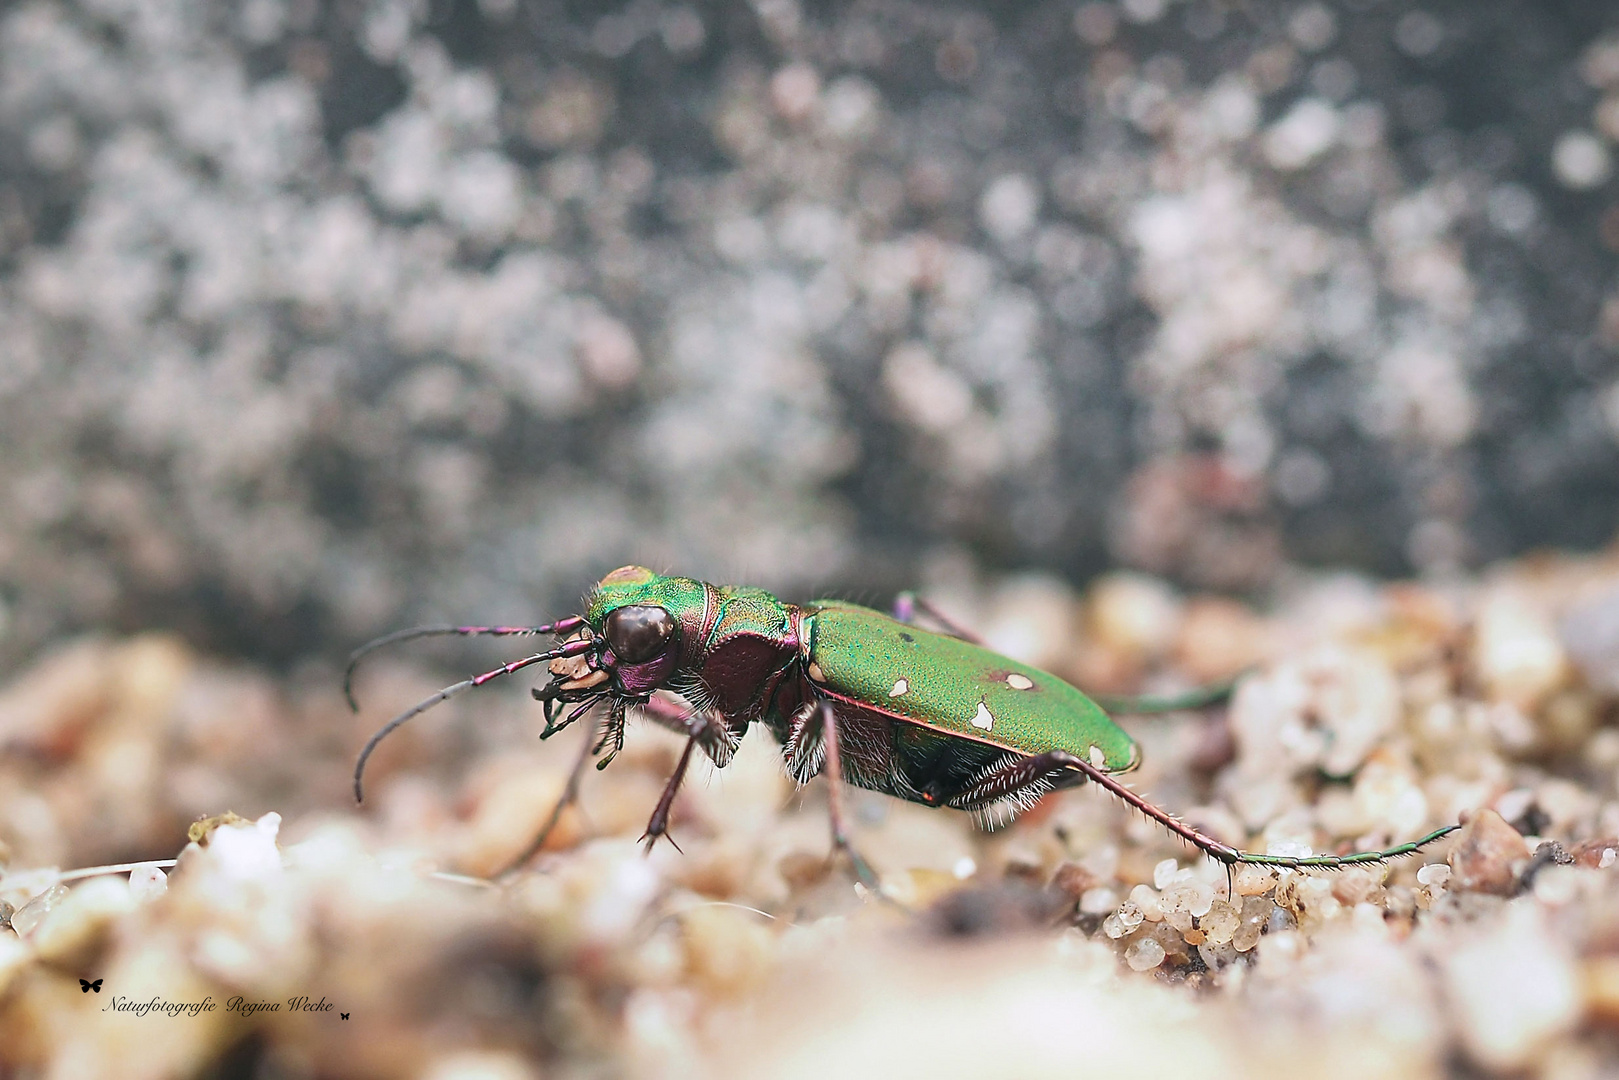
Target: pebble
x: 1599, y: 978
x: 81, y: 920
x: 1123, y: 922
x: 147, y: 883
x: 1220, y: 639
x: 1590, y: 633
x: 1435, y: 874
x: 1133, y: 613
x: 1098, y: 901
x: 1252, y: 880
x: 1513, y: 988
x: 728, y: 950
x: 1144, y: 953
x: 1164, y: 873
x: 508, y: 818
x: 1487, y: 855
x: 1145, y: 897
x: 1256, y: 913
x: 1217, y: 955
x: 26, y: 919
x: 1190, y: 897
x: 1596, y: 854
x: 1069, y: 878
x: 1517, y: 654
x: 1220, y: 923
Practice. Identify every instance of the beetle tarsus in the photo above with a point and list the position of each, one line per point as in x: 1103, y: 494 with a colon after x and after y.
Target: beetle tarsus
x: 1235, y: 857
x: 658, y: 825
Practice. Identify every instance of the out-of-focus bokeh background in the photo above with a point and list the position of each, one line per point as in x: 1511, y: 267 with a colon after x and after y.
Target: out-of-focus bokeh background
x: 323, y: 317
x: 1160, y: 341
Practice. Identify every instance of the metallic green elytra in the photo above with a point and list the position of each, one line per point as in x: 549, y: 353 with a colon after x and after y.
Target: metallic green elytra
x: 848, y: 692
x: 954, y: 686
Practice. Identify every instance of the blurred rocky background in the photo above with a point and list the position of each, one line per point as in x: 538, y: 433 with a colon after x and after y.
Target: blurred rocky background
x: 317, y: 318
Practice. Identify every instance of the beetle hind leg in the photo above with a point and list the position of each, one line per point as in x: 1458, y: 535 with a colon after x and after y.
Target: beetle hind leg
x: 1013, y: 784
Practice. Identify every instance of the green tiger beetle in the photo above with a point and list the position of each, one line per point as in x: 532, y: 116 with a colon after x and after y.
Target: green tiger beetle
x: 862, y: 697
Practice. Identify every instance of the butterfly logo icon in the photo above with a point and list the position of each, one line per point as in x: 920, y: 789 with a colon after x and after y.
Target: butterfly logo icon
x: 344, y: 1015
x: 85, y: 986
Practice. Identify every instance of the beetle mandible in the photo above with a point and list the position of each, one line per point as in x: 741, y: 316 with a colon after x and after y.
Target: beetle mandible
x: 859, y: 696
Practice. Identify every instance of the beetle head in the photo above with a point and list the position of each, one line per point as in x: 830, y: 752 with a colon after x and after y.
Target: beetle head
x: 636, y: 637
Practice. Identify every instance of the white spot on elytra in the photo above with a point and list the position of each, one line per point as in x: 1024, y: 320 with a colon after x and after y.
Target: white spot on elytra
x: 816, y: 673
x: 985, y: 719
x: 1098, y: 758
x: 1019, y: 682
x: 900, y: 688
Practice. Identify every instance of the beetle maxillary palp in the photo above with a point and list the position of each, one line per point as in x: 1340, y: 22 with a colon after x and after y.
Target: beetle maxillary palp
x: 574, y: 673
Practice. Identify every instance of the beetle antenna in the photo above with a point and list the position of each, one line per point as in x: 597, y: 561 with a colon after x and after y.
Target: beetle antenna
x: 573, y: 648
x: 1232, y: 856
x: 561, y: 626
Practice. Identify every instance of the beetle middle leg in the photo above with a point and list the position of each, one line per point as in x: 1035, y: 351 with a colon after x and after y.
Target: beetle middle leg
x: 828, y: 753
x: 908, y: 604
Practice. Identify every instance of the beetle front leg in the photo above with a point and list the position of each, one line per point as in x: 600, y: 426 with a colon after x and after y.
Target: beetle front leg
x: 715, y: 736
x: 570, y: 795
x: 659, y: 823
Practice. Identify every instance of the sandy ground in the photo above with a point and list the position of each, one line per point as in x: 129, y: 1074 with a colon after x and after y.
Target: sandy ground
x: 1079, y: 941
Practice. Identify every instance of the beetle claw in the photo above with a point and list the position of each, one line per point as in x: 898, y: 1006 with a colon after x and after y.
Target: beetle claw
x: 651, y: 838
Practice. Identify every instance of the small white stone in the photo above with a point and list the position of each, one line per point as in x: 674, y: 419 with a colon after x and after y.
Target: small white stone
x: 1164, y: 873
x: 901, y: 687
x: 1437, y: 874
x: 984, y: 718
x: 26, y: 918
x: 1515, y: 989
x: 1308, y: 130
x: 964, y: 868
x: 147, y: 882
x: 1009, y: 207
x: 247, y: 852
x: 1144, y: 954
x: 1019, y: 682
x: 1581, y: 161
x: 1098, y: 901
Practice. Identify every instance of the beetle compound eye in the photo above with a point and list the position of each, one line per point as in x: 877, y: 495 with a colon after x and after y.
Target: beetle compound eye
x: 638, y: 633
